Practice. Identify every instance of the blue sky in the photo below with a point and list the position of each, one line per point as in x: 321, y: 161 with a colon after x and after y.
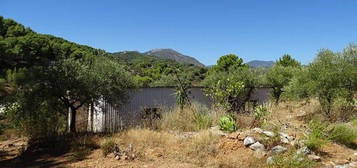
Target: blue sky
x: 205, y: 29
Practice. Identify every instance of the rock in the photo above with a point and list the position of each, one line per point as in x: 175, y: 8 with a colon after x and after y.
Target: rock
x: 259, y: 154
x: 278, y: 149
x: 314, y: 157
x: 270, y: 160
x: 248, y: 141
x: 353, y: 157
x: 117, y: 157
x: 269, y: 133
x: 257, y: 146
x: 243, y: 135
x: 303, y: 151
x: 285, y: 138
x: 258, y: 130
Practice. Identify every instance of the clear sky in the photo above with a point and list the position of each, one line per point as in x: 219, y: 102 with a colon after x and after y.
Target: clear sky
x: 205, y: 29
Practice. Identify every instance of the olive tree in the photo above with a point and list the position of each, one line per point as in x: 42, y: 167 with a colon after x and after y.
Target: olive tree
x: 77, y: 82
x: 230, y: 83
x: 281, y: 74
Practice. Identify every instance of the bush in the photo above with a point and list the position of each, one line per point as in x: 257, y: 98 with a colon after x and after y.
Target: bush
x: 291, y: 160
x: 227, y: 123
x: 318, y: 136
x: 343, y: 134
x: 108, y: 147
x: 260, y: 113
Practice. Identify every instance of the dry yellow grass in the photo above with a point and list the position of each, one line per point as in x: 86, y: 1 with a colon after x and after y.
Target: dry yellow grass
x: 192, y: 118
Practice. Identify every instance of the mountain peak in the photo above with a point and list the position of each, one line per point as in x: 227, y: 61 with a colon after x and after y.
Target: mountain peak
x: 168, y: 53
x: 260, y: 63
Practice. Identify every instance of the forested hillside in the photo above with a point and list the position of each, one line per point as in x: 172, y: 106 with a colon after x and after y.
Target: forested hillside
x: 21, y: 47
x: 151, y: 71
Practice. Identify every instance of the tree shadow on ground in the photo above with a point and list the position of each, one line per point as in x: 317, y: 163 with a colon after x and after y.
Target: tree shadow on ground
x: 52, y: 152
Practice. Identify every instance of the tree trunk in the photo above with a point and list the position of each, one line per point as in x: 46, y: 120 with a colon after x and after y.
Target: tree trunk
x: 72, y: 114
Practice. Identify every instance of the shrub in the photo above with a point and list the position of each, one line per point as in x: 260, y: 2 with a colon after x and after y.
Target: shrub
x: 317, y: 137
x: 291, y: 160
x: 108, y: 147
x: 343, y: 134
x: 260, y: 113
x: 227, y: 123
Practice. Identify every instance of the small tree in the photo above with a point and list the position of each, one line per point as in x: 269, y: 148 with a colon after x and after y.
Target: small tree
x: 281, y: 74
x: 77, y: 82
x: 182, y: 92
x: 230, y: 82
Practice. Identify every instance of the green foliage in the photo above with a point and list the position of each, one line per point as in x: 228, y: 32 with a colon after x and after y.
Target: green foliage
x: 227, y: 123
x: 279, y: 76
x: 35, y: 116
x: 329, y: 77
x: 299, y: 86
x: 260, y: 113
x: 152, y: 71
x: 55, y: 71
x: 291, y: 160
x: 182, y: 92
x: 344, y: 134
x: 287, y: 61
x: 108, y: 147
x: 227, y: 62
x: 203, y: 120
x: 191, y: 118
x: 230, y: 83
x: 317, y: 136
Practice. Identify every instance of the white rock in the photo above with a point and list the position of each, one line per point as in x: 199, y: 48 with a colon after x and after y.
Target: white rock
x: 278, y: 149
x: 258, y: 130
x: 257, y: 146
x: 304, y: 151
x: 269, y: 133
x: 314, y: 157
x: 117, y: 157
x: 270, y: 160
x: 285, y: 138
x: 248, y: 141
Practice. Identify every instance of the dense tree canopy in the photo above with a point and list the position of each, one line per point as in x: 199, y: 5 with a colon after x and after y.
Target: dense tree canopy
x: 56, y: 72
x: 281, y: 74
x: 230, y: 82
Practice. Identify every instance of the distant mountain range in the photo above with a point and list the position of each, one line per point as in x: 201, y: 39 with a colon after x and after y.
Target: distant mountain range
x: 259, y: 63
x: 171, y: 54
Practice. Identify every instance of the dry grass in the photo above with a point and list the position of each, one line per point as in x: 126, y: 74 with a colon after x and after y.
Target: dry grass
x: 192, y: 118
x: 202, y: 147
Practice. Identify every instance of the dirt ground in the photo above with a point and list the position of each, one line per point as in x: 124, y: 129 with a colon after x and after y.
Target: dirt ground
x: 230, y: 152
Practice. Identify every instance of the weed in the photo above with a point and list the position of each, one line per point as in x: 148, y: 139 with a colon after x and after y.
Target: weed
x: 191, y: 118
x: 108, y: 147
x: 291, y: 160
x: 318, y: 136
x: 343, y: 134
x: 227, y: 123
